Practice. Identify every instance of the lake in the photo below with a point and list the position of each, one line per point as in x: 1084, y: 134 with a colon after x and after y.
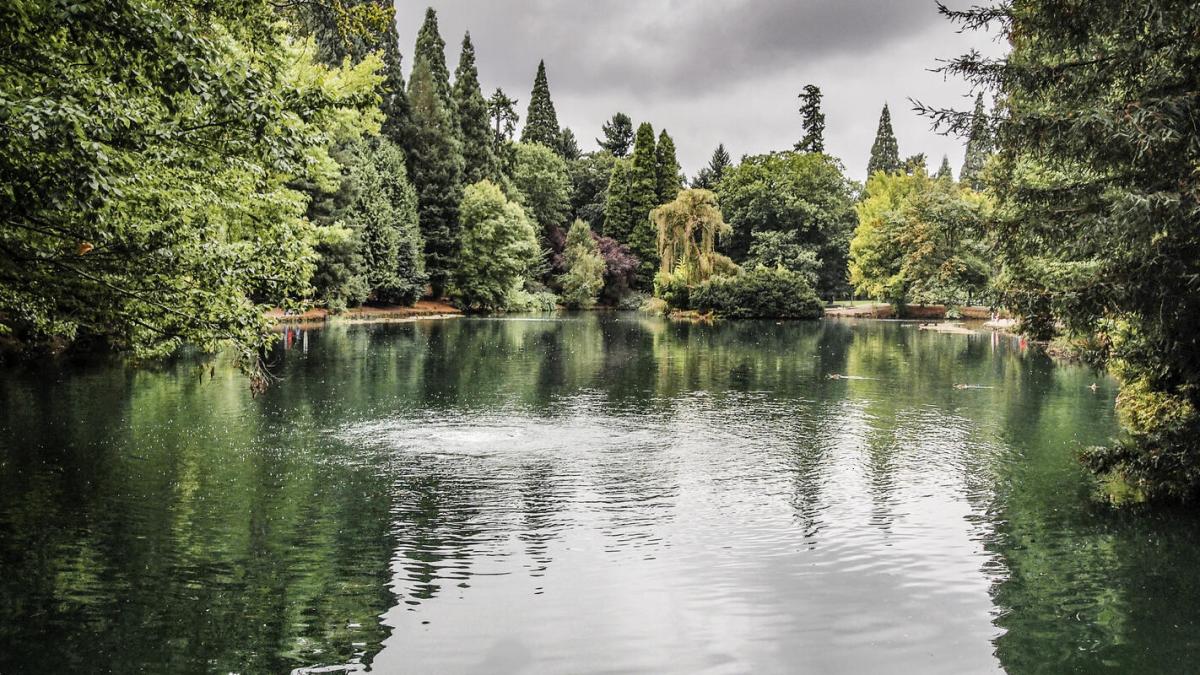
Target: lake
x: 591, y: 493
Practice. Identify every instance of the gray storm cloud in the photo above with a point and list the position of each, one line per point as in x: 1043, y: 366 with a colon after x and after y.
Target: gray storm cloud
x: 715, y: 71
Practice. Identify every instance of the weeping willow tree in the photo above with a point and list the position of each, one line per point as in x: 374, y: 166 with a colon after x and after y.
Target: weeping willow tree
x: 688, y: 229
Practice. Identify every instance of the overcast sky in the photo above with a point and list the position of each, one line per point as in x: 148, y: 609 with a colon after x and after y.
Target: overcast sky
x: 714, y: 71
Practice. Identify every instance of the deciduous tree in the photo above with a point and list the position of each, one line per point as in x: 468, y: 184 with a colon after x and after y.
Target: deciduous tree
x: 498, y: 247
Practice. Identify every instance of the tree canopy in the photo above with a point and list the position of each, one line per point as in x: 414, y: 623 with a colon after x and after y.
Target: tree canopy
x: 150, y: 200
x: 1097, y: 225
x: 803, y: 193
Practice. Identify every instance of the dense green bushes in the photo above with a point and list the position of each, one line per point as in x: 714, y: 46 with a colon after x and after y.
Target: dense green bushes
x: 761, y: 293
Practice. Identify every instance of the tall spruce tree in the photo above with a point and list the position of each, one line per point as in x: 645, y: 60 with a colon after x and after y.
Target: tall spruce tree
x: 979, y: 147
x: 397, y: 120
x: 432, y: 48
x: 541, y: 122
x: 437, y: 166
x: 669, y: 181
x: 813, y: 120
x: 643, y: 197
x: 710, y: 176
x: 618, y: 135
x: 479, y: 156
x: 885, y: 153
x: 945, y: 172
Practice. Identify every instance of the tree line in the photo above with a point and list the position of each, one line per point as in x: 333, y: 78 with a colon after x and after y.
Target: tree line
x: 173, y: 170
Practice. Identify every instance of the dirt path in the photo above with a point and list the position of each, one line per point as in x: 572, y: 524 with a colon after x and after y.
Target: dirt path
x: 424, y: 309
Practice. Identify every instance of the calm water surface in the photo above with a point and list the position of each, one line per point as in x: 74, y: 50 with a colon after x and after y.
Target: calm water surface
x: 586, y: 494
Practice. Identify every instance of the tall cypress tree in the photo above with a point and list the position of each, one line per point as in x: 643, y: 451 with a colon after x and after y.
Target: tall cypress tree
x: 885, y: 153
x: 474, y: 126
x: 979, y: 147
x: 813, y: 120
x: 541, y: 122
x: 643, y: 198
x: 432, y: 48
x: 667, y: 178
x: 436, y: 158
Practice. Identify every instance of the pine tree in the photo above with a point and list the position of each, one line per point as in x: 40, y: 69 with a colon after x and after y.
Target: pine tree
x: 643, y: 198
x: 502, y: 111
x: 813, y: 119
x: 618, y: 208
x: 945, y: 172
x: 541, y: 122
x: 568, y: 146
x: 618, y: 135
x: 479, y: 157
x: 885, y: 153
x: 432, y: 48
x: 710, y: 176
x: 979, y: 147
x: 668, y: 178
x: 437, y: 165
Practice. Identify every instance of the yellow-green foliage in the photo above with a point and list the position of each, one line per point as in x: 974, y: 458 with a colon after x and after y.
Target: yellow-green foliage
x: 584, y: 278
x: 688, y: 230
x: 874, y: 263
x: 920, y: 239
x: 149, y: 194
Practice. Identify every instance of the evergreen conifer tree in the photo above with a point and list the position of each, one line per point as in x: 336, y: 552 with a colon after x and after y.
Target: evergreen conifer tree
x: 392, y: 245
x: 813, y: 119
x: 668, y: 179
x: 396, y: 115
x: 541, y: 122
x: 979, y: 147
x: 432, y: 48
x: 436, y: 158
x: 643, y: 197
x: 479, y: 156
x: 618, y: 208
x: 618, y: 135
x: 710, y: 176
x: 885, y: 153
x: 568, y: 146
x: 945, y: 172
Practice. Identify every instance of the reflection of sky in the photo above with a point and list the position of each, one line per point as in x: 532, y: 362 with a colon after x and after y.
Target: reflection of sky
x: 736, y: 533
